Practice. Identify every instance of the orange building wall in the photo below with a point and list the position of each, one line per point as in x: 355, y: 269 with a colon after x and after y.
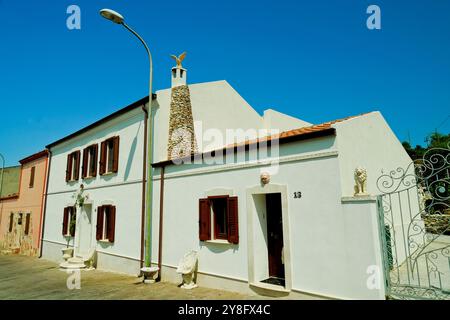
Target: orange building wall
x: 30, y: 200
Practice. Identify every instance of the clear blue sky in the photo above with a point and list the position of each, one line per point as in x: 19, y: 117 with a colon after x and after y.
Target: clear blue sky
x: 315, y: 60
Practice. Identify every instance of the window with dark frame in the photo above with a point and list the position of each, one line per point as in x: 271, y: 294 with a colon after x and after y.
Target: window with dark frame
x: 109, y: 156
x: 69, y: 220
x: 32, y: 173
x: 11, y: 221
x: 90, y: 158
x: 219, y: 213
x: 218, y: 219
x: 27, y: 223
x: 106, y: 220
x: 73, y: 166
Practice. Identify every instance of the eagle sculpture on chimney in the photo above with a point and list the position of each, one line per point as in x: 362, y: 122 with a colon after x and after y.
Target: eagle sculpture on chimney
x: 179, y: 59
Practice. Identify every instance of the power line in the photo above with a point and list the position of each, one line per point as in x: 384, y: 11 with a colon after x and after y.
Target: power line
x: 446, y: 119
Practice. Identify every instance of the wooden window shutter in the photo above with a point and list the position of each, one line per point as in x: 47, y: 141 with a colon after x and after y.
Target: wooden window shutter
x: 116, y: 143
x: 27, y: 224
x: 33, y: 171
x: 11, y: 221
x: 65, y: 221
x: 95, y: 159
x: 111, y: 223
x: 103, y: 158
x: 233, y: 226
x: 204, y: 220
x: 99, y: 233
x: 69, y: 168
x: 85, y: 166
x: 77, y: 165
x: 73, y: 216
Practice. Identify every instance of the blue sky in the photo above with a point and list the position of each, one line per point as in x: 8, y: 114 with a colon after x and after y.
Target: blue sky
x: 315, y: 60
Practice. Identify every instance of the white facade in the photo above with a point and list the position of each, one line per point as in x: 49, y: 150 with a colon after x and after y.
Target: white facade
x: 331, y: 239
x: 215, y: 105
x: 123, y: 190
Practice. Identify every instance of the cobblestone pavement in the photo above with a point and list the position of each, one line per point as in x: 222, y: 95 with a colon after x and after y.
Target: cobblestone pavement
x: 32, y: 278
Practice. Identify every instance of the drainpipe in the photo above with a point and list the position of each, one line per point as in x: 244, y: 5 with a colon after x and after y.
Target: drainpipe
x: 44, y: 210
x: 43, y: 198
x: 144, y: 175
x: 161, y: 211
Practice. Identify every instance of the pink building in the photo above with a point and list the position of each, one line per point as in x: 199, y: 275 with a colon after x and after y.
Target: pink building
x: 21, y: 215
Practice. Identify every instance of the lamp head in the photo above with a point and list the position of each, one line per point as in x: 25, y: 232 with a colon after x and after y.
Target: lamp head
x: 112, y: 15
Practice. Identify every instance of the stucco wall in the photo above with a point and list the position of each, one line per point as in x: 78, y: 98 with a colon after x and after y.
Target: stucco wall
x: 124, y: 190
x: 320, y: 230
x: 29, y: 201
x: 368, y: 141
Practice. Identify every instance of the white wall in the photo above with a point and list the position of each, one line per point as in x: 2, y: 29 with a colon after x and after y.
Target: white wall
x: 281, y: 121
x: 123, y: 189
x: 215, y: 104
x: 368, y: 141
x: 319, y: 232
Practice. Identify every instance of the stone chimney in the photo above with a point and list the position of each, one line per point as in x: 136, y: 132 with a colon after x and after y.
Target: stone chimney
x: 182, y: 141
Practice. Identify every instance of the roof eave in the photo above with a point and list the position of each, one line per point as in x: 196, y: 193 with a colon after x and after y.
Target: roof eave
x: 306, y: 136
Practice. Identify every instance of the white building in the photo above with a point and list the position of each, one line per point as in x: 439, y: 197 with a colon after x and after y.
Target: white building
x: 302, y: 231
x: 107, y: 159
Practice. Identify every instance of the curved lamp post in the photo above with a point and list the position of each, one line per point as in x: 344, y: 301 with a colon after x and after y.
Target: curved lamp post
x: 119, y: 19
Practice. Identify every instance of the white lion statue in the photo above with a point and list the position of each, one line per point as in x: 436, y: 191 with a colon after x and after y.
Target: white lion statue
x: 360, y: 181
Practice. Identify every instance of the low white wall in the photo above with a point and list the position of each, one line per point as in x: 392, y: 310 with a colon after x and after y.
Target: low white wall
x: 105, y: 262
x: 365, y: 274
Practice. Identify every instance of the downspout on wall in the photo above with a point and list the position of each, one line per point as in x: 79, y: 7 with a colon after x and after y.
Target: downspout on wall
x: 44, y: 209
x: 161, y: 215
x: 44, y: 192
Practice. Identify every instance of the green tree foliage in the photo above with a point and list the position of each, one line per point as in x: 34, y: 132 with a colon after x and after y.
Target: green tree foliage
x: 434, y: 140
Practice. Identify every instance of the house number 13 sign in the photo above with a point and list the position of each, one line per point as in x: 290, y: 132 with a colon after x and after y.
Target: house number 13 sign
x: 297, y: 195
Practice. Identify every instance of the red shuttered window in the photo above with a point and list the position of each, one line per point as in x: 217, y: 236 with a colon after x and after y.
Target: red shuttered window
x: 27, y: 223
x: 218, y: 216
x: 204, y: 220
x: 69, y: 222
x: 73, y: 166
x: 32, y: 173
x: 106, y: 223
x: 90, y: 158
x: 11, y: 222
x: 109, y: 156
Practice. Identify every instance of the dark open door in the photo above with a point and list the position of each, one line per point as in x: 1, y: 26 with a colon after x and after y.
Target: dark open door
x: 275, y: 235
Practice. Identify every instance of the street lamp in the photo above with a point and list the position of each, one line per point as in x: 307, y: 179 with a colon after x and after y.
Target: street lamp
x: 119, y: 19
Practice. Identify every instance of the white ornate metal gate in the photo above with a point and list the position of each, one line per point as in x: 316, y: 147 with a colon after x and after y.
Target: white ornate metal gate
x: 414, y: 216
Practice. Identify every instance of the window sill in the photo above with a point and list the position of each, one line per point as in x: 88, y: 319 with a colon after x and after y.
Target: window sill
x: 104, y: 241
x: 108, y: 174
x: 89, y: 178
x: 218, y: 241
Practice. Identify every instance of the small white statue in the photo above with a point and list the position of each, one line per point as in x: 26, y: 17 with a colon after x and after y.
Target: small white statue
x: 187, y: 267
x: 360, y: 181
x: 265, y: 178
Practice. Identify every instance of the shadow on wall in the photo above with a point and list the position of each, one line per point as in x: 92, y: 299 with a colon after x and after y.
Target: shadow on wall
x: 218, y: 247
x: 131, y: 154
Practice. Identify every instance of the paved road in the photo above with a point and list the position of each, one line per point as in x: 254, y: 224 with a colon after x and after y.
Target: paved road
x: 31, y: 278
